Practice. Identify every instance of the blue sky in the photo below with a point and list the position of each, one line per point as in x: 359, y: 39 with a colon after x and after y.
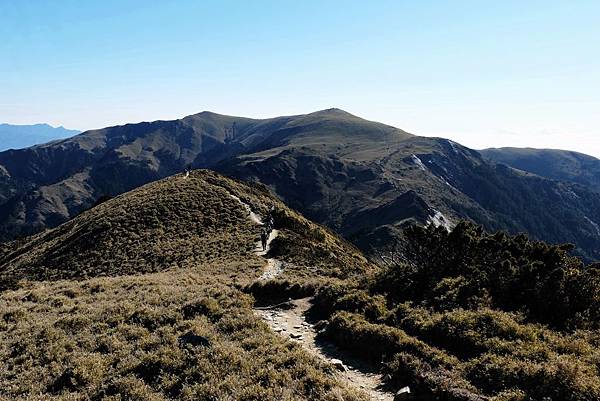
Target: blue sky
x: 484, y: 73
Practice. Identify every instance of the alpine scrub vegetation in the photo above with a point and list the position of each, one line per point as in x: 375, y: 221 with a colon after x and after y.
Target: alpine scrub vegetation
x: 470, y: 316
x: 469, y: 268
x: 184, y: 335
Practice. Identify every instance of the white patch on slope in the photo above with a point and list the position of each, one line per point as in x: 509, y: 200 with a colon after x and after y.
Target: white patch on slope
x: 572, y: 194
x: 450, y: 185
x: 593, y: 224
x: 251, y: 214
x: 452, y: 145
x: 438, y: 219
x: 418, y: 162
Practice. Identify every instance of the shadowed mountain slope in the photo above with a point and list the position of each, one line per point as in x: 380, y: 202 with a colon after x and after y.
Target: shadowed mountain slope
x: 555, y: 164
x: 335, y: 168
x: 369, y: 194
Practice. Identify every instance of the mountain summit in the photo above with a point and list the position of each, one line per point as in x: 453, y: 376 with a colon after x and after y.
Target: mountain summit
x: 45, y: 185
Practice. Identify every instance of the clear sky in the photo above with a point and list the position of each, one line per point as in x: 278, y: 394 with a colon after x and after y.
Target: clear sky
x: 484, y: 73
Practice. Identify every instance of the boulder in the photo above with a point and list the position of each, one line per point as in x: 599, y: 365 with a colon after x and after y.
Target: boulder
x: 403, y: 394
x: 193, y: 340
x: 320, y: 326
x: 339, y: 365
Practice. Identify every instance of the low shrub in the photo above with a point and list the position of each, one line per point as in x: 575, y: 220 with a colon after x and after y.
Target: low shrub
x: 471, y: 315
x: 274, y: 291
x: 130, y: 346
x: 203, y: 306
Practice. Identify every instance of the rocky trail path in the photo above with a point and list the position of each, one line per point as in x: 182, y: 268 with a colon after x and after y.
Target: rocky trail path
x: 251, y: 215
x: 290, y: 320
x: 274, y: 267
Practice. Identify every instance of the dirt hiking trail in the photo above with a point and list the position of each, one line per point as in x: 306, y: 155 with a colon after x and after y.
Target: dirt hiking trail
x: 289, y: 320
x: 292, y: 323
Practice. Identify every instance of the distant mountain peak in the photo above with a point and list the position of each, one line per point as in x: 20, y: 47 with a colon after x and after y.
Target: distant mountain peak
x: 208, y: 113
x: 528, y: 151
x: 555, y: 164
x: 333, y: 111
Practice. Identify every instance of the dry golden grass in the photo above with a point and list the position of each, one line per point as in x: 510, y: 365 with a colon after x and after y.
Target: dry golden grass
x: 119, y: 338
x: 173, y: 223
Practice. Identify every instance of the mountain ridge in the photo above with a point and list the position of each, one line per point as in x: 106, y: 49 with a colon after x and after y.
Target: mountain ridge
x: 330, y: 165
x: 556, y: 164
x: 175, y: 222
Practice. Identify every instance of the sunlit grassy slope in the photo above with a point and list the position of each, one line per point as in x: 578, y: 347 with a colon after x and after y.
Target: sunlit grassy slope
x: 174, y: 223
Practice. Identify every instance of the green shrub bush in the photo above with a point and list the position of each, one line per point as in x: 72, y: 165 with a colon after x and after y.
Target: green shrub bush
x: 470, y: 315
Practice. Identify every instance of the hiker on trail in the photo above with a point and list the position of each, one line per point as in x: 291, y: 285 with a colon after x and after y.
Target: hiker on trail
x: 188, y: 170
x: 264, y: 236
x: 270, y: 222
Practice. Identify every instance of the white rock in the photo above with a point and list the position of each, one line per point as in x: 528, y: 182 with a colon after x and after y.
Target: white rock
x: 403, y: 394
x: 339, y: 365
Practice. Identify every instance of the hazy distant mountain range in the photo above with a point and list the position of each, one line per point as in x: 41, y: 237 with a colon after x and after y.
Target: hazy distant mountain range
x: 364, y: 179
x: 22, y: 136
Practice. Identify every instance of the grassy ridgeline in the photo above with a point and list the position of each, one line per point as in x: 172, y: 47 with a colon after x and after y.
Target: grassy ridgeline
x: 173, y: 223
